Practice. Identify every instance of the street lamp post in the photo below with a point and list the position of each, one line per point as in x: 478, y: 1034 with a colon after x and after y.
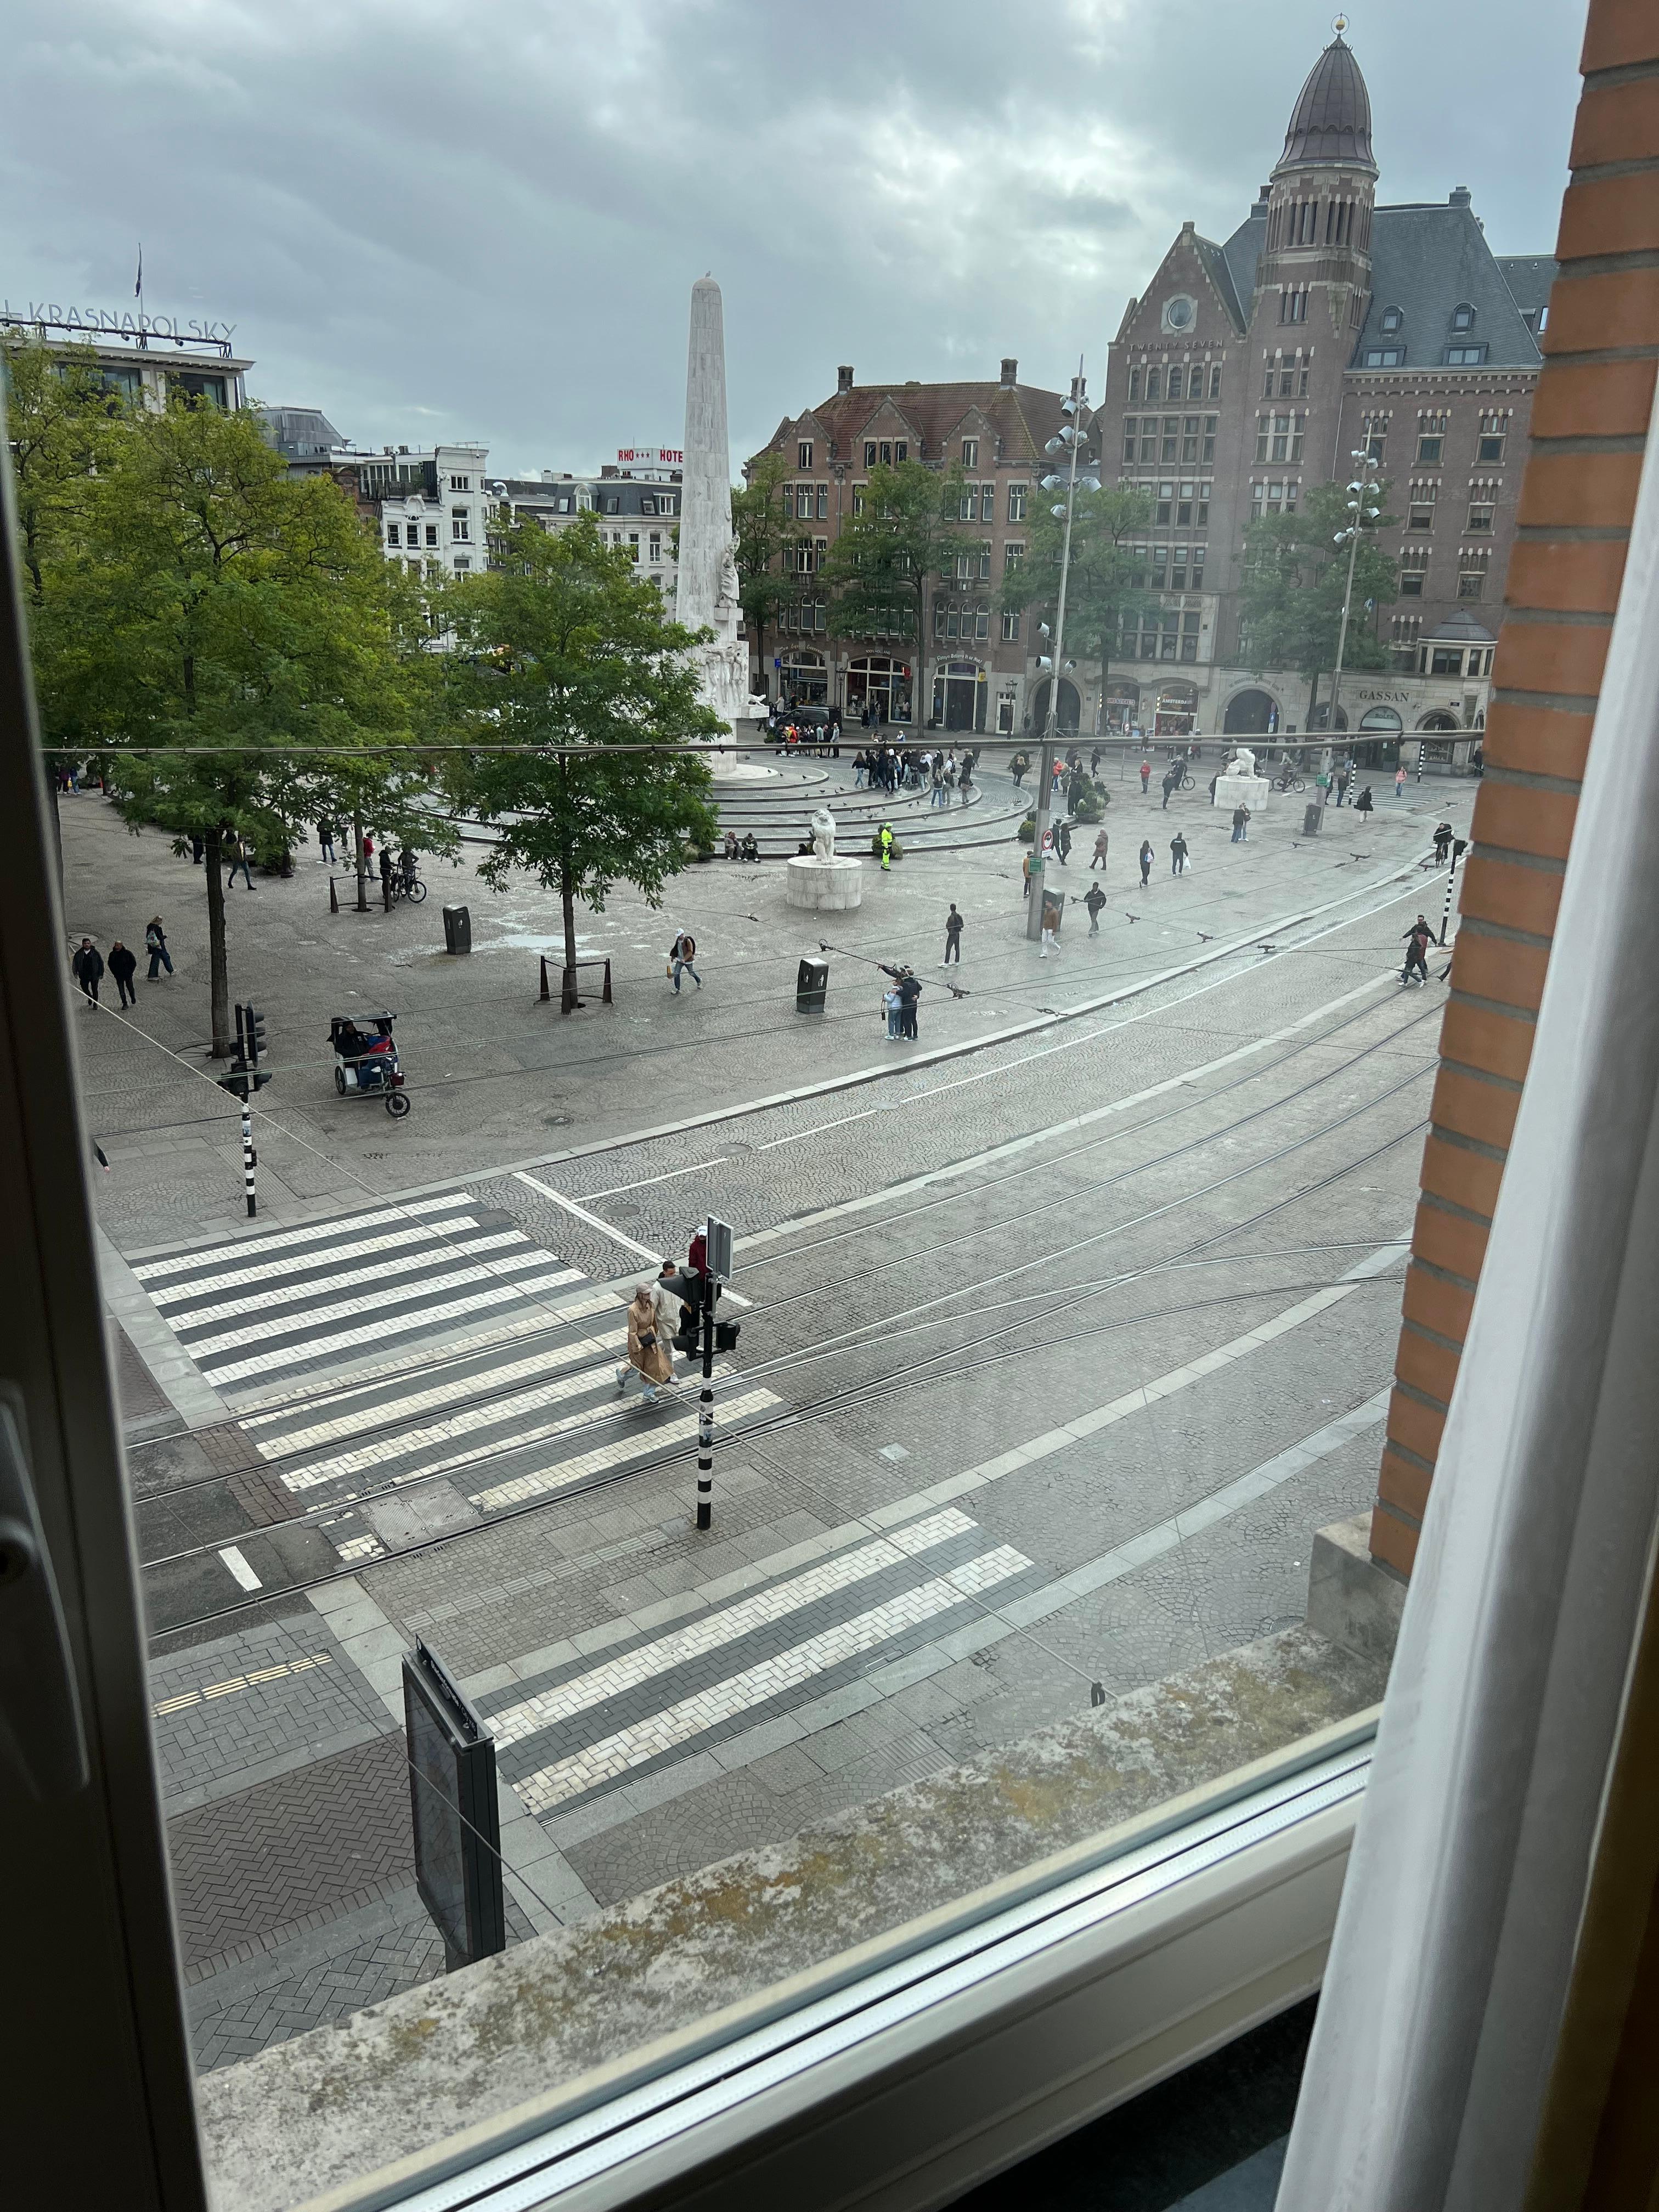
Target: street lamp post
x: 1069, y: 440
x: 1360, y: 492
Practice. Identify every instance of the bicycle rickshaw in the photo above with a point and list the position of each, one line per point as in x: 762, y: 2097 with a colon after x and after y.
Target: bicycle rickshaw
x: 366, y: 1060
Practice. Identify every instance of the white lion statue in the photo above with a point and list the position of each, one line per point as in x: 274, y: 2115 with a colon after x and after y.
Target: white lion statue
x: 822, y: 823
x: 1242, y: 762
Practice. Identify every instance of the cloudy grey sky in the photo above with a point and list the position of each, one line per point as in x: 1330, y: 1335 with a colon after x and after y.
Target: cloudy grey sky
x: 481, y: 218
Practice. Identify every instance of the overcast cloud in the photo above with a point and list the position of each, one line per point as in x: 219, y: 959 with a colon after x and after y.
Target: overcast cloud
x: 481, y: 218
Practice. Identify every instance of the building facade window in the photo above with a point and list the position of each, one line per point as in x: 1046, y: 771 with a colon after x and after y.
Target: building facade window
x: 1012, y: 554
x: 1494, y: 431
x: 1392, y: 318
x: 970, y: 453
x: 1465, y: 357
x: 1414, y: 568
x: 805, y: 459
x: 460, y: 529
x: 460, y: 483
x: 1135, y: 386
x: 656, y: 549
x: 392, y: 533
x: 1155, y: 384
x: 1432, y: 426
x: 1482, y: 509
x: 1131, y: 432
x: 1376, y: 435
x: 1019, y: 494
x: 1011, y: 627
x: 1472, y: 566
x: 1385, y: 356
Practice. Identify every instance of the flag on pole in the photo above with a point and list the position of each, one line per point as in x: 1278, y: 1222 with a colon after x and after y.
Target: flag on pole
x: 138, y: 286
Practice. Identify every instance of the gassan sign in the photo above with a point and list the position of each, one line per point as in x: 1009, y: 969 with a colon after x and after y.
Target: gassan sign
x: 119, y: 323
x: 652, y: 457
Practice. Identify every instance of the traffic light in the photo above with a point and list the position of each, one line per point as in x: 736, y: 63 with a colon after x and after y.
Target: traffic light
x: 256, y: 1034
x: 236, y: 1081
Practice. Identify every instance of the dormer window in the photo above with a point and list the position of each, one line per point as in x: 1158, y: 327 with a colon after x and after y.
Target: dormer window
x: 970, y: 453
x: 1463, y: 316
x: 806, y: 447
x: 1392, y: 319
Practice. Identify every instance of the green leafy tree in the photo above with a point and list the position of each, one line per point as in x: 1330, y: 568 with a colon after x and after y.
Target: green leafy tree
x: 1105, y: 586
x: 246, y: 624
x: 1296, y: 575
x: 61, y: 425
x: 563, y: 643
x: 762, y: 534
x: 885, y: 569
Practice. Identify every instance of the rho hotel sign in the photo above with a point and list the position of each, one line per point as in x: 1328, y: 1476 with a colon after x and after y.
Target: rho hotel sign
x: 652, y: 457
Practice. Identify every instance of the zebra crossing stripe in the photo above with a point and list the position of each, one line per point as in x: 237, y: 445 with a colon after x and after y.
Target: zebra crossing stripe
x: 395, y: 1277
x: 432, y: 1235
x: 317, y: 1347
x: 286, y: 1239
x: 287, y: 1400
x: 232, y: 1340
x: 538, y: 1482
x: 694, y: 1716
x: 761, y: 1609
x: 387, y: 1449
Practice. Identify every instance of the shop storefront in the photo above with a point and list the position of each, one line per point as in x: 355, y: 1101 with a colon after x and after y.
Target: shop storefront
x: 1122, y: 708
x: 960, y: 695
x: 877, y: 683
x: 1069, y: 718
x: 1176, y: 710
x: 804, y: 680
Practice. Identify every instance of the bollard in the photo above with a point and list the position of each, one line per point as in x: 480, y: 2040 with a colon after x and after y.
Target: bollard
x: 333, y: 897
x: 544, y: 995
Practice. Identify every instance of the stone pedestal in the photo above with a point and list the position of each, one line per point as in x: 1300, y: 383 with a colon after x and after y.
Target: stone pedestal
x: 1249, y: 791
x: 1350, y: 1599
x: 823, y: 886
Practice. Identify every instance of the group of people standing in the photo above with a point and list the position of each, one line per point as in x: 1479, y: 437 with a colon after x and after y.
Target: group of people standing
x: 88, y: 964
x: 907, y: 768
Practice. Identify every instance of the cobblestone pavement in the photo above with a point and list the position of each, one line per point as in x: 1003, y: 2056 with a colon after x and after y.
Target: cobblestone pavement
x: 498, y: 1077
x: 1069, y: 1348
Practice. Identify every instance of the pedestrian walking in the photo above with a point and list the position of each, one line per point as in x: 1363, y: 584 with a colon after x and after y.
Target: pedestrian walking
x: 89, y: 966
x: 1400, y: 781
x: 1094, y: 902
x: 681, y: 953
x: 1169, y: 783
x: 965, y: 782
x: 1094, y: 762
x: 669, y: 1310
x: 1146, y: 862
x: 1098, y: 861
x: 952, y: 937
x: 325, y: 844
x: 1145, y: 776
x: 1241, y: 823
x: 1063, y: 843
x: 1418, y: 939
x: 886, y: 842
x: 1053, y: 908
x: 122, y: 965
x: 156, y: 943
x: 648, y: 1356
x: 1178, y: 854
x: 859, y: 764
x: 238, y: 850
x: 1364, y: 803
x: 197, y: 848
x: 1025, y: 872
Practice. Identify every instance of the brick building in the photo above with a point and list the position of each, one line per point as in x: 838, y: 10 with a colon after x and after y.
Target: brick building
x: 974, y: 667
x: 1250, y: 370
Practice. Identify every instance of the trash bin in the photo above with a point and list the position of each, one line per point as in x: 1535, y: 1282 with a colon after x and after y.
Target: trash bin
x: 1311, y: 819
x: 458, y: 929
x: 811, y: 982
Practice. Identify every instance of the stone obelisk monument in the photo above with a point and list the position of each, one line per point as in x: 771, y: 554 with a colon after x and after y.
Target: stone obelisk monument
x: 707, y: 590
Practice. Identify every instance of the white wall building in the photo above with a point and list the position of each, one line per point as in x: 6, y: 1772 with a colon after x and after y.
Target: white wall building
x: 431, y: 504
x: 635, y: 505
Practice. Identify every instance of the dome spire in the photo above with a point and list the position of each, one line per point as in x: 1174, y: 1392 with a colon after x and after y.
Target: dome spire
x: 1331, y: 118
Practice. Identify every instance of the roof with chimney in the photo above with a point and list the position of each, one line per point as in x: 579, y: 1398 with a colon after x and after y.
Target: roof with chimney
x: 1331, y: 118
x: 1022, y: 417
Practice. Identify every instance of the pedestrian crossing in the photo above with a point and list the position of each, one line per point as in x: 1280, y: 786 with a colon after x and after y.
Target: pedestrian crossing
x: 412, y: 1369
x: 597, y: 1725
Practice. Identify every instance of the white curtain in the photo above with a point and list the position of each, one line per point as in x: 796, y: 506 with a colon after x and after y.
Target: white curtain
x: 1453, y: 1942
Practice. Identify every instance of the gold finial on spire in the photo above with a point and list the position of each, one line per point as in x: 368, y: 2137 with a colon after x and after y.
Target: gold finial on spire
x: 1338, y: 24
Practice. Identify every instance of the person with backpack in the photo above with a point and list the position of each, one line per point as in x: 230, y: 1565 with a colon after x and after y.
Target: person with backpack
x: 681, y: 953
x: 156, y: 943
x: 1418, y: 939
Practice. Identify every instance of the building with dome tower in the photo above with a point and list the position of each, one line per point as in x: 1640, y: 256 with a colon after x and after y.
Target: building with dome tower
x: 1250, y: 370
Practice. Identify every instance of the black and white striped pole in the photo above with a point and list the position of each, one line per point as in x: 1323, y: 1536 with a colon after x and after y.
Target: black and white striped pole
x: 1460, y: 846
x: 247, y: 1161
x: 717, y: 1269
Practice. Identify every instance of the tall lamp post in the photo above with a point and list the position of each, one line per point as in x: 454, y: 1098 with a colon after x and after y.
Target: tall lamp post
x: 1069, y: 441
x: 1361, y: 492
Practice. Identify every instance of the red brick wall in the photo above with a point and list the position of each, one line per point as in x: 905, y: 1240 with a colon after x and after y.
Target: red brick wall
x: 1589, y: 424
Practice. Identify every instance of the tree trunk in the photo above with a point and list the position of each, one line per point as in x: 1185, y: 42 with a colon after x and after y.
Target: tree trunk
x: 363, y: 870
x: 567, y: 900
x: 218, y: 964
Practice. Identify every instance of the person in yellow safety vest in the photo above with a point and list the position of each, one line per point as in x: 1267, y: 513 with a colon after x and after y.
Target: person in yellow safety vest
x: 886, y: 844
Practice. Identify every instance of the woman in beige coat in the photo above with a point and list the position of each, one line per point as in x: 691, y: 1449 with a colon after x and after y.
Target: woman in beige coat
x: 648, y: 1356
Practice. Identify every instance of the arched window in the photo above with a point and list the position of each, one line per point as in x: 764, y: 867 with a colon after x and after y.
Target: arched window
x: 1392, y: 318
x: 1463, y: 316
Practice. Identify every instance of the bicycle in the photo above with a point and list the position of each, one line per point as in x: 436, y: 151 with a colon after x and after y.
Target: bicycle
x: 1288, y: 783
x: 407, y: 887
